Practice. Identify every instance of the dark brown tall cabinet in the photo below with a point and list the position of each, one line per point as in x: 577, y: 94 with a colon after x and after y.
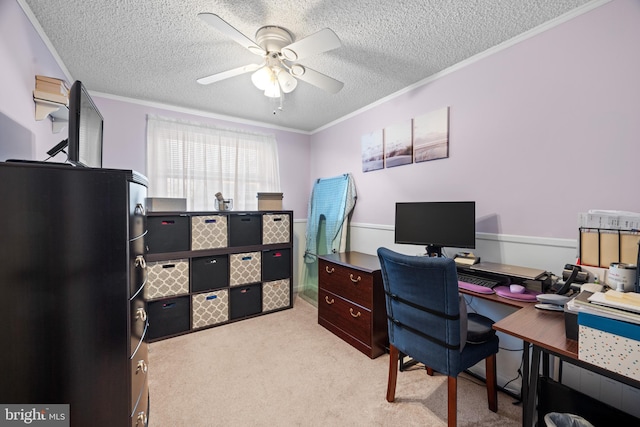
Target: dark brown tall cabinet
x: 72, y: 323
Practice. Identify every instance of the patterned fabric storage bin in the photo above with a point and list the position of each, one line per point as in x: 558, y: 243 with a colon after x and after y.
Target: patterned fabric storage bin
x: 275, y: 228
x: 275, y: 295
x: 166, y: 278
x: 245, y: 268
x: 208, y: 232
x: 210, y: 308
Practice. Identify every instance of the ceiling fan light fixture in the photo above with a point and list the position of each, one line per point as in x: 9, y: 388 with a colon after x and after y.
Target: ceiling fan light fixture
x: 287, y: 82
x: 273, y: 89
x: 263, y: 77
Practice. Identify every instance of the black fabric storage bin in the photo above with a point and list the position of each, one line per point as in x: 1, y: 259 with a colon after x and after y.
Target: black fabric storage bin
x: 167, y: 317
x: 210, y: 272
x: 276, y: 264
x: 245, y: 229
x: 168, y: 234
x: 245, y: 301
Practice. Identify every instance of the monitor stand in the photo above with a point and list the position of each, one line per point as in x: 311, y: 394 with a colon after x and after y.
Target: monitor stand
x: 434, y: 250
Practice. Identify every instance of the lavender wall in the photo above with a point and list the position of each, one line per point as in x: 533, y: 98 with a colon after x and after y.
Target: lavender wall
x: 23, y: 54
x: 539, y: 132
x: 125, y: 138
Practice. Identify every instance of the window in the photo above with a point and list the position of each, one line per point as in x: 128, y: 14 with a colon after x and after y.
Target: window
x: 195, y: 161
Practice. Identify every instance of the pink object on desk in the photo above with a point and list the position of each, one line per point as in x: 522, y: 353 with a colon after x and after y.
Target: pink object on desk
x: 505, y: 292
x: 475, y: 288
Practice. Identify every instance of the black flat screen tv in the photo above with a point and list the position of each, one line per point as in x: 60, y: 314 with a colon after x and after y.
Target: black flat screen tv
x: 436, y: 225
x: 85, y: 128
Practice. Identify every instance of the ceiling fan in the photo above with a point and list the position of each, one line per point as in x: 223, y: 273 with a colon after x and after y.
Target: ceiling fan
x: 279, y: 70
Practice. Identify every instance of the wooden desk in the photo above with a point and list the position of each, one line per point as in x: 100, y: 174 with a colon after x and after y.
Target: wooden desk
x: 544, y: 332
x: 540, y: 327
x: 498, y: 299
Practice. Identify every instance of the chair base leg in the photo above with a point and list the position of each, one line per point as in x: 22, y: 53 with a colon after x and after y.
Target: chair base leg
x: 452, y: 403
x: 492, y: 386
x: 393, y: 373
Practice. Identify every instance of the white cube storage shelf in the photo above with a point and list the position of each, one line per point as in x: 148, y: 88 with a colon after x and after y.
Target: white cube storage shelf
x: 256, y: 259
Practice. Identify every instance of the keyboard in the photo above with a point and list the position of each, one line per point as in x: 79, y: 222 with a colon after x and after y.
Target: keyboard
x: 478, y: 284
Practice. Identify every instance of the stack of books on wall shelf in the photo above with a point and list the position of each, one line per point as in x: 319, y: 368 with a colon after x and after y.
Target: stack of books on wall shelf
x: 611, y: 304
x: 51, y: 89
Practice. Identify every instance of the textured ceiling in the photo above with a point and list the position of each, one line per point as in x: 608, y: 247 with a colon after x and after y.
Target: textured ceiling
x: 155, y: 50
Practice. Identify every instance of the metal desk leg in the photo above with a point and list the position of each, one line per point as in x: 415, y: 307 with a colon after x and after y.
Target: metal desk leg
x: 545, y: 364
x: 524, y: 388
x: 530, y: 404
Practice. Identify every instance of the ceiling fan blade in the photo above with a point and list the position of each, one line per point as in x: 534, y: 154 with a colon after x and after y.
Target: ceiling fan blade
x: 225, y: 28
x: 227, y: 74
x: 319, y: 42
x: 317, y: 79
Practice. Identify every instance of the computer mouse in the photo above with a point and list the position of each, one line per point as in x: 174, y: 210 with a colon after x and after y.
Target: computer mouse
x: 517, y: 289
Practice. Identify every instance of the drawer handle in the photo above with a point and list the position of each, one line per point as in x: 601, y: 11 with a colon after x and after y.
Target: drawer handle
x: 142, y: 367
x: 326, y: 299
x: 140, y: 262
x: 139, y: 209
x: 141, y: 420
x: 358, y: 314
x: 354, y: 280
x: 326, y: 268
x: 141, y: 314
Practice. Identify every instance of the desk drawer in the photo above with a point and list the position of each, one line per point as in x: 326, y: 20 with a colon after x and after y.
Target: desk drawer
x: 351, y: 284
x: 350, y: 318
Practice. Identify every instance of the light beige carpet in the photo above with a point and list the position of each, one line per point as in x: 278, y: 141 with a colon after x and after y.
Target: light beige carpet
x: 283, y: 369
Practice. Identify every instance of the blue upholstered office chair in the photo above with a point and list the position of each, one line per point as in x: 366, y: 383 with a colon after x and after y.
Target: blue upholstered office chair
x: 427, y: 321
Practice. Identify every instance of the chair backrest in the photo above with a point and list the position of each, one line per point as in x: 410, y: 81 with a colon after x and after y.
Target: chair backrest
x: 423, y: 308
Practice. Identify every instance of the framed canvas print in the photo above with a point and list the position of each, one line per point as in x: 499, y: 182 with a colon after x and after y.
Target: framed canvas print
x: 372, y: 151
x: 431, y: 135
x: 397, y: 144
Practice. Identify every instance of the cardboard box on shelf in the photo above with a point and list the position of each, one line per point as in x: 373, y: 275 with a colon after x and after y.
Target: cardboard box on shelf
x: 269, y: 201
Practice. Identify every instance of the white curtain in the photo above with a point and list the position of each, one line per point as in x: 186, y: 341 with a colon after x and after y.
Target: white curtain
x: 195, y: 161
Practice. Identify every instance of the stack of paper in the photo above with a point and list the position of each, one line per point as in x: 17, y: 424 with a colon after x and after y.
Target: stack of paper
x: 611, y: 304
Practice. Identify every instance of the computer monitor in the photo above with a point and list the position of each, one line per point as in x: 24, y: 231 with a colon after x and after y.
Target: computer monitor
x: 85, y: 128
x: 436, y: 225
